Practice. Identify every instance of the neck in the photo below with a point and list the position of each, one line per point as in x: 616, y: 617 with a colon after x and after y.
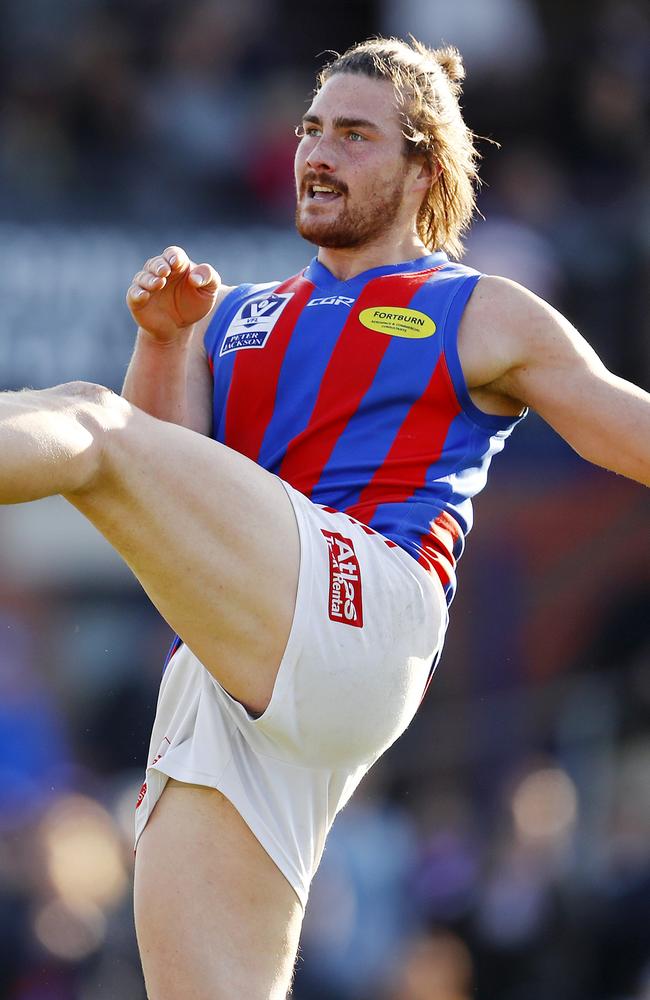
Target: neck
x: 346, y: 262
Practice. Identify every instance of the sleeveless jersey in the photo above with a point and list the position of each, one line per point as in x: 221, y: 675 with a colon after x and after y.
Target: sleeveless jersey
x: 353, y: 392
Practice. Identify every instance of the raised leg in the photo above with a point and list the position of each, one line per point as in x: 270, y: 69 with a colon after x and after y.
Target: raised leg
x: 215, y: 918
x: 210, y: 535
x: 49, y: 441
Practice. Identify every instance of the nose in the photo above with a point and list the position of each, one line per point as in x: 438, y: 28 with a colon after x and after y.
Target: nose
x: 321, y: 155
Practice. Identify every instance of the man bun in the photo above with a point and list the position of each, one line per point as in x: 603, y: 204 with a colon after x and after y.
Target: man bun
x: 451, y: 62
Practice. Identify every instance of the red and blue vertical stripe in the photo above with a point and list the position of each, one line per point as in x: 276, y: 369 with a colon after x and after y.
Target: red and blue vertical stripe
x: 378, y: 425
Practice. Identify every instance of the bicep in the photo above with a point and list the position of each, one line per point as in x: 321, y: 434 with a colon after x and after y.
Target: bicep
x: 558, y: 374
x: 553, y: 369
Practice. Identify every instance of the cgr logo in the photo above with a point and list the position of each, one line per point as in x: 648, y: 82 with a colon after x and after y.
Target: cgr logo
x: 253, y: 322
x: 332, y: 300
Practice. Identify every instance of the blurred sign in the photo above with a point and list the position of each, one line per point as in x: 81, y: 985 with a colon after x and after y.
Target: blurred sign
x: 62, y: 289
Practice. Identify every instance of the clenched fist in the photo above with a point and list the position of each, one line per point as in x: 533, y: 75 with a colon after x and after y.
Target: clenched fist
x: 172, y: 293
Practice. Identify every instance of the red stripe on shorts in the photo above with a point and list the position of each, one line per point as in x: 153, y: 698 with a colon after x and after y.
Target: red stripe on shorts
x: 437, y: 547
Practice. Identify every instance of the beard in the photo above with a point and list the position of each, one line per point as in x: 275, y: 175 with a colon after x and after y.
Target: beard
x: 354, y: 227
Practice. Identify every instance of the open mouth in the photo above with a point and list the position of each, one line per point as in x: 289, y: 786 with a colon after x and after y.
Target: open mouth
x: 322, y: 192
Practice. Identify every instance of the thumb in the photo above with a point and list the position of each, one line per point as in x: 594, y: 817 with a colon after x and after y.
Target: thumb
x: 205, y: 277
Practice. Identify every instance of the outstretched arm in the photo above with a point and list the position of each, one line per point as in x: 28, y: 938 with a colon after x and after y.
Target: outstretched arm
x: 173, y: 300
x: 537, y: 358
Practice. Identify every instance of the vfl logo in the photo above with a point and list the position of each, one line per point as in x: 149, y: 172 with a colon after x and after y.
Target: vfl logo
x: 253, y: 322
x: 345, y: 601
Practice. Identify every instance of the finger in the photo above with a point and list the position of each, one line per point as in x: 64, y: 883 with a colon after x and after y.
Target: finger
x: 176, y: 258
x: 205, y: 277
x: 137, y: 296
x: 145, y: 279
x: 158, y: 266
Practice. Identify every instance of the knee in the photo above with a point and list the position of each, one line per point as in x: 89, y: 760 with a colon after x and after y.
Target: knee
x: 84, y: 393
x: 94, y: 406
x: 100, y: 413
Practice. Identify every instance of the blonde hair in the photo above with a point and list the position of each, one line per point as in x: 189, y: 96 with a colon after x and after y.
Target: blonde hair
x: 428, y: 85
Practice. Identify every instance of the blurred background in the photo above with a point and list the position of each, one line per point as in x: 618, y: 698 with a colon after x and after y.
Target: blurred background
x: 501, y: 849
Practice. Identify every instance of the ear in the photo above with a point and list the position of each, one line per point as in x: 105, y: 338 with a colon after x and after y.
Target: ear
x: 426, y: 175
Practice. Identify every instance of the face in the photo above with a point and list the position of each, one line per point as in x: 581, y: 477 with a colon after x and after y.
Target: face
x: 350, y: 166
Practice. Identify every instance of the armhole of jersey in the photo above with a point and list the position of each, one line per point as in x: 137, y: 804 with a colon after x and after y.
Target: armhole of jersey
x: 457, y: 304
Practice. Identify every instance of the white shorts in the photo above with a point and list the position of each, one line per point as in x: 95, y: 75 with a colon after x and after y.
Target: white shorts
x: 368, y: 623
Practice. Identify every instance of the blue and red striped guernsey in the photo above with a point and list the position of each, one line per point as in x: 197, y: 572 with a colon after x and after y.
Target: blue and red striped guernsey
x: 353, y: 392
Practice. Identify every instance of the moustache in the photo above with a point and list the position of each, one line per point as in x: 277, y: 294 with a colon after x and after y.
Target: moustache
x: 313, y: 178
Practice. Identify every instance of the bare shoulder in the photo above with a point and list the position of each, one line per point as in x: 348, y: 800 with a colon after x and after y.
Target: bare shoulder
x: 499, y: 294
x: 498, y: 317
x: 517, y: 349
x: 202, y: 326
x: 505, y: 327
x: 223, y: 291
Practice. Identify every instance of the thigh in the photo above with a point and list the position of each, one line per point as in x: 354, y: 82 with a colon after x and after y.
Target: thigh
x: 212, y: 538
x: 215, y: 918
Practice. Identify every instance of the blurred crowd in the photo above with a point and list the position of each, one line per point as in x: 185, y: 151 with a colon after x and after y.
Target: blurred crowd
x: 156, y: 112
x: 501, y: 849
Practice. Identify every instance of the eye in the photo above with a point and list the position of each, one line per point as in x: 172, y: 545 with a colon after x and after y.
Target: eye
x: 312, y: 131
x: 356, y: 137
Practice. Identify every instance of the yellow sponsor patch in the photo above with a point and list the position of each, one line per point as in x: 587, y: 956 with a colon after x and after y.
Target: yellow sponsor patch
x: 398, y: 322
